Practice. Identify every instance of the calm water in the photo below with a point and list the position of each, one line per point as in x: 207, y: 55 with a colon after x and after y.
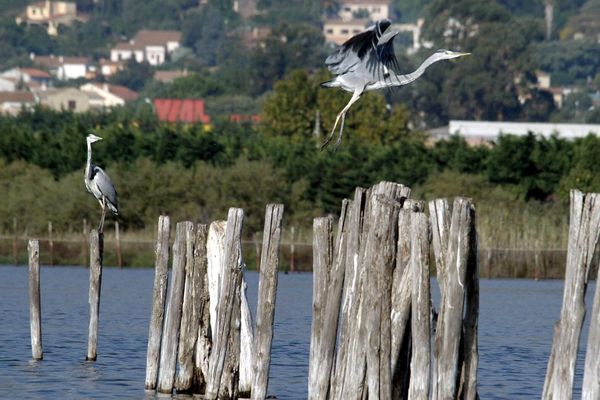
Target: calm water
x: 515, y: 335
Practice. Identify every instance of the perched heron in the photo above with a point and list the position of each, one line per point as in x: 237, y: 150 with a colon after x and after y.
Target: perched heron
x: 367, y: 62
x: 98, y: 183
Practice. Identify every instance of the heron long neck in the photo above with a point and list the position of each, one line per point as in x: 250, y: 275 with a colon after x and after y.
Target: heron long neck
x: 400, y: 80
x: 89, y: 159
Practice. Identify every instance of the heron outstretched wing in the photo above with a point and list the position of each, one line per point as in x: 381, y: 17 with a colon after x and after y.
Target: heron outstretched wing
x: 358, y: 49
x: 105, y: 186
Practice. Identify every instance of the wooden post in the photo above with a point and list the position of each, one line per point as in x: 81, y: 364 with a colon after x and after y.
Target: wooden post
x: 348, y: 378
x: 292, y: 249
x: 322, y: 259
x: 584, y: 229
x: 204, y: 341
x: 385, y: 201
x: 265, y: 309
x: 591, y: 372
x: 246, y: 344
x: 222, y: 380
x: 159, y: 293
x: 170, y: 337
x: 451, y: 248
x: 35, y: 308
x: 96, y: 256
x: 190, y: 318
x: 257, y: 251
x: 84, y: 242
x: 420, y: 329
x: 14, y: 242
x: 332, y: 298
x: 118, y: 245
x: 50, y: 243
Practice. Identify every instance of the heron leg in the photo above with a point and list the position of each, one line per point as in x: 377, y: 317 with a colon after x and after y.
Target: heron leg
x: 355, y: 96
x: 101, y: 226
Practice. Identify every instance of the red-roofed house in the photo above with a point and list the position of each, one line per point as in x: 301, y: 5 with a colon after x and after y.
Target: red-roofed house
x: 50, y: 14
x: 63, y: 67
x: 13, y: 102
x: 29, y: 76
x: 181, y: 110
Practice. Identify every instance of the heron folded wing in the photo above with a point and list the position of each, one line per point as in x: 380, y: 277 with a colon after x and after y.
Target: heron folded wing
x: 106, y: 187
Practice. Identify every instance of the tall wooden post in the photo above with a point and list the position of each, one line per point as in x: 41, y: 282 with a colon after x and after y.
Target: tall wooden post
x: 265, y: 309
x: 35, y: 307
x: 96, y: 254
x: 159, y: 294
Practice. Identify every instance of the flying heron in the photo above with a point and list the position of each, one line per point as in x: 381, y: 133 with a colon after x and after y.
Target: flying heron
x: 98, y: 183
x: 367, y: 62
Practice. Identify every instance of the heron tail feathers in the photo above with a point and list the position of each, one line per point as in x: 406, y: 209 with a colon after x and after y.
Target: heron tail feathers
x: 329, y: 84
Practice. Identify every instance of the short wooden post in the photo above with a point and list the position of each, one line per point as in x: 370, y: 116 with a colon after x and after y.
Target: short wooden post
x: 96, y: 254
x: 322, y: 259
x: 118, y: 245
x: 35, y: 308
x: 265, y: 309
x: 190, y: 318
x: 420, y: 329
x: 50, y: 243
x: 584, y: 229
x: 222, y: 380
x: 257, y: 251
x: 14, y: 243
x: 170, y: 337
x: 159, y: 294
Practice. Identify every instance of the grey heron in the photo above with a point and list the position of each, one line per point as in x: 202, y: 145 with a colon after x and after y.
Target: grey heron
x: 367, y: 62
x: 98, y: 183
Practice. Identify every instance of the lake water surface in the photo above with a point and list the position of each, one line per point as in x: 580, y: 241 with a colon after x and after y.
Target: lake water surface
x: 515, y: 335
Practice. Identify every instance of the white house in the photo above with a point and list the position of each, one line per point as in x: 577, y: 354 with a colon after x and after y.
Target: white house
x: 153, y: 47
x: 338, y: 31
x: 50, y: 14
x: 8, y: 84
x: 110, y: 95
x: 13, y: 102
x: 63, y: 67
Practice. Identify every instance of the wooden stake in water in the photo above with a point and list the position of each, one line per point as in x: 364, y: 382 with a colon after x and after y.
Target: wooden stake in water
x: 584, y: 230
x: 222, y: 380
x: 265, y: 309
x: 170, y: 338
x: 96, y: 253
x: 161, y: 275
x: 35, y: 308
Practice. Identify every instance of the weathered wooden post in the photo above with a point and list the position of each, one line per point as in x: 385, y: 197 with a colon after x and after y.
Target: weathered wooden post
x: 453, y: 247
x: 84, y: 242
x: 192, y: 308
x: 383, y: 205
x: 170, y: 337
x: 222, y: 374
x: 96, y: 255
x: 118, y: 245
x: 35, y: 307
x: 420, y: 299
x: 332, y: 293
x: 322, y: 259
x: 159, y: 294
x: 204, y: 340
x: 584, y: 229
x: 265, y: 309
x: 348, y: 378
x: 50, y: 243
x: 591, y: 372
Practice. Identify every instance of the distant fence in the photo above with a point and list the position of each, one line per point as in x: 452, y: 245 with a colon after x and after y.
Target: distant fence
x: 295, y: 256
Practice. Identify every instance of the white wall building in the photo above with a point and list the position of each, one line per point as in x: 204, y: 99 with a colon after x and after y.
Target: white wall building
x: 153, y: 47
x: 377, y: 9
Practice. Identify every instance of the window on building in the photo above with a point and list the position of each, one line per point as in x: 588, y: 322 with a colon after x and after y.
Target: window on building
x: 71, y: 105
x: 344, y: 31
x: 329, y: 31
